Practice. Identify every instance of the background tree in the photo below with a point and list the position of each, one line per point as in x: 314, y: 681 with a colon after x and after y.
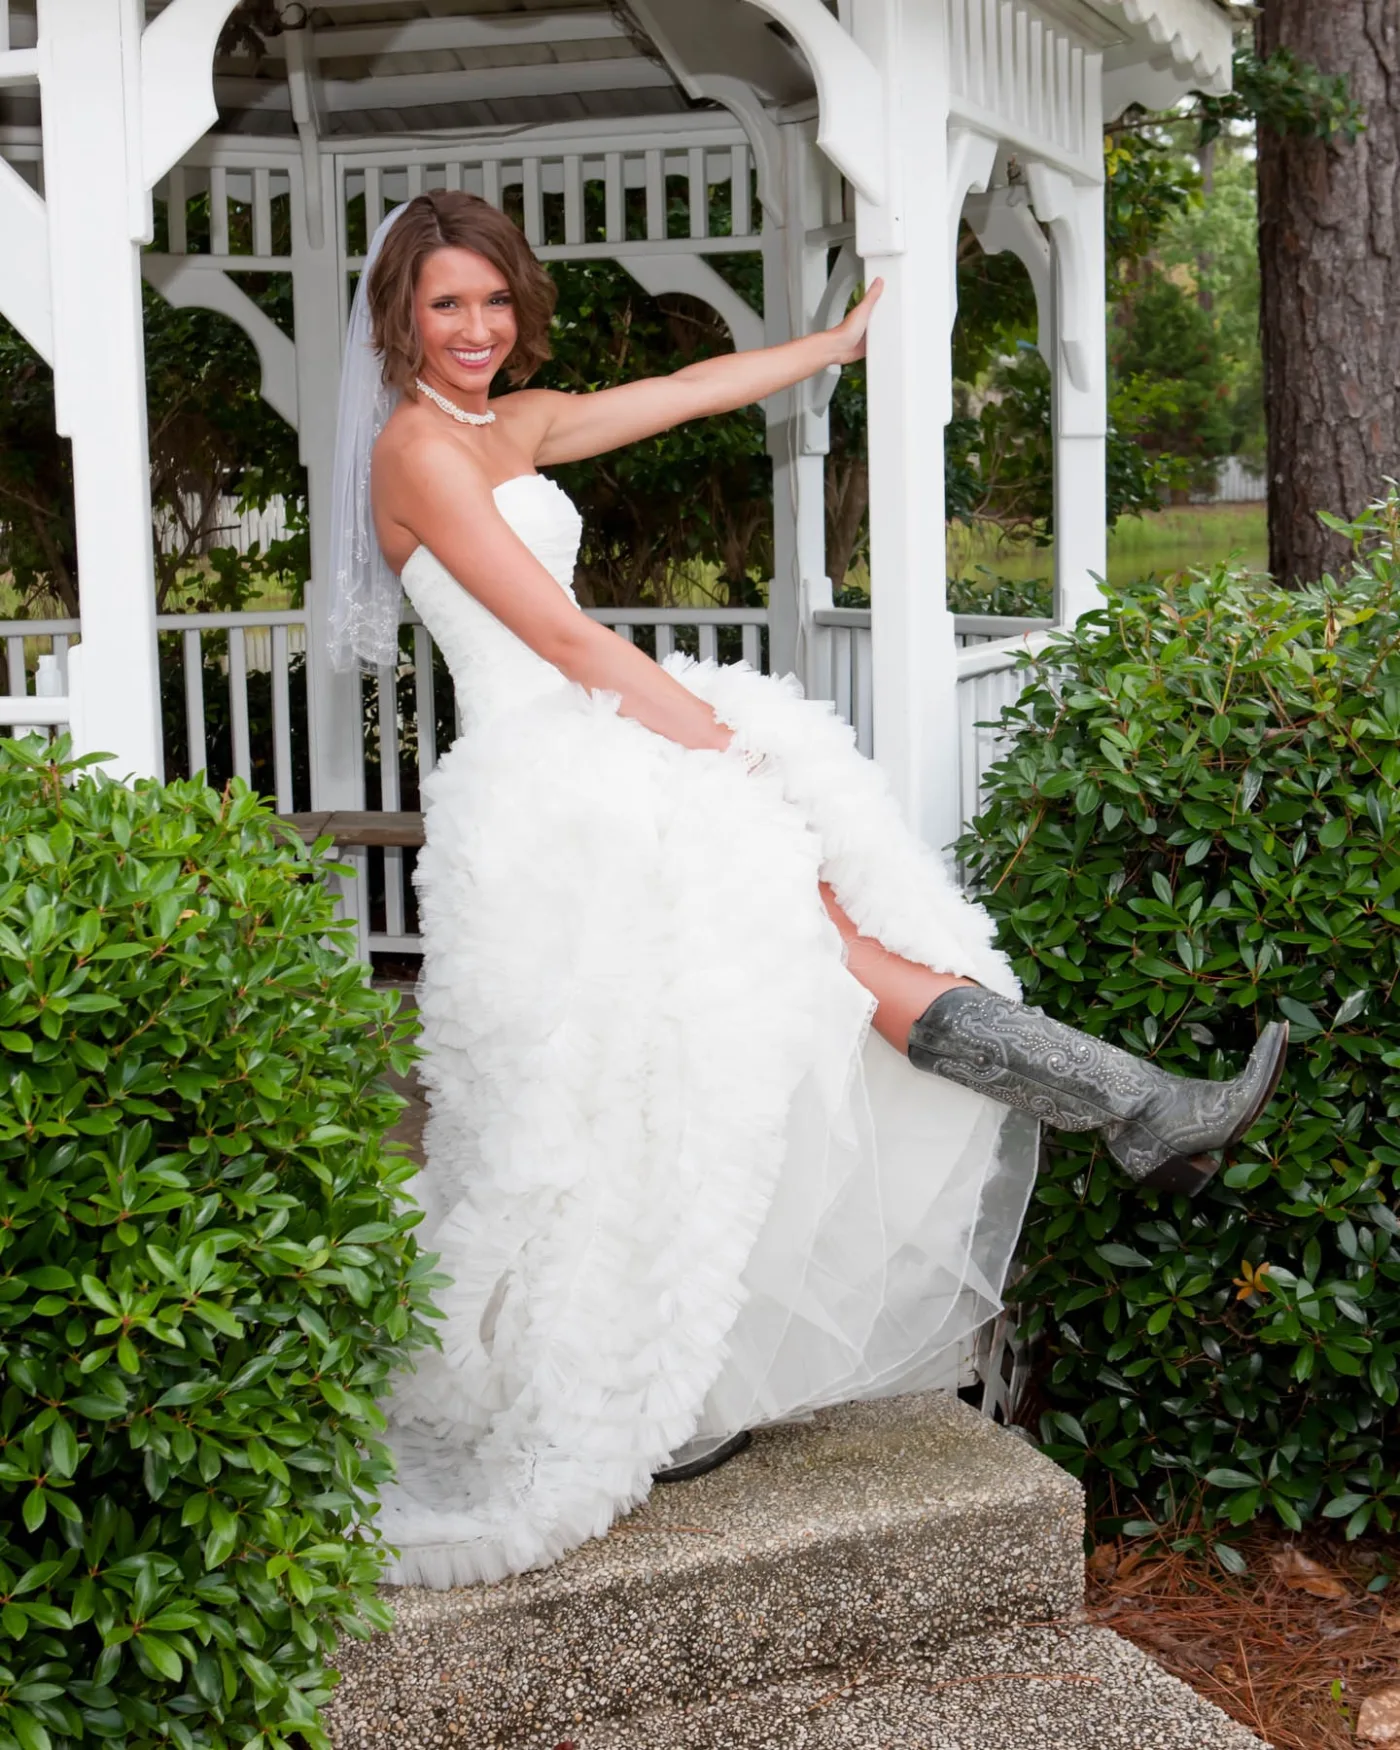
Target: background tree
x: 1329, y: 246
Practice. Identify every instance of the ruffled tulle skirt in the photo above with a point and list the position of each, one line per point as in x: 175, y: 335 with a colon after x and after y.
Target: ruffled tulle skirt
x: 679, y: 1186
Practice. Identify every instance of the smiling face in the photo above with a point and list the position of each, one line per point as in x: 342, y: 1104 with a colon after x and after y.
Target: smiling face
x: 466, y: 322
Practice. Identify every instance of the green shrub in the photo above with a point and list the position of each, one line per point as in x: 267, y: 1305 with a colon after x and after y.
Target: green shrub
x: 205, y: 1271
x: 1195, y: 830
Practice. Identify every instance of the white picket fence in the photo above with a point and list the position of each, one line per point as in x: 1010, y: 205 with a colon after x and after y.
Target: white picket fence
x: 232, y: 527
x: 258, y: 729
x: 1236, y: 483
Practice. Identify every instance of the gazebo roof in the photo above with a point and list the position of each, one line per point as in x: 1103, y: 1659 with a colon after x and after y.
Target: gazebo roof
x: 409, y: 66
x: 419, y: 66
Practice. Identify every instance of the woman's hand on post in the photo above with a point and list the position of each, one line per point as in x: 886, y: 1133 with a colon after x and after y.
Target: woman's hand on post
x: 848, y: 336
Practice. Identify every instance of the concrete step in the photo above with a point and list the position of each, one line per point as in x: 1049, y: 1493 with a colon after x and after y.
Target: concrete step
x: 1061, y: 1688
x: 875, y: 1533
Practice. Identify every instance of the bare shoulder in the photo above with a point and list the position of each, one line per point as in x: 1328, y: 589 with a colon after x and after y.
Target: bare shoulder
x: 413, y: 448
x: 527, y: 415
x: 420, y: 474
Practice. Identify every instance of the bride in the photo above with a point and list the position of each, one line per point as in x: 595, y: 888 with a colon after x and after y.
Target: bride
x: 732, y: 1105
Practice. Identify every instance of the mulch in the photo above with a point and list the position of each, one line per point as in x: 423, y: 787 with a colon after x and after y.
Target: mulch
x: 1293, y: 1648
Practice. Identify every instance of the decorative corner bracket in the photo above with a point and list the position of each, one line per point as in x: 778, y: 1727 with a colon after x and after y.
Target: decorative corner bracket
x: 304, y: 89
x: 850, y: 93
x: 183, y: 283
x: 177, y: 81
x: 26, y: 294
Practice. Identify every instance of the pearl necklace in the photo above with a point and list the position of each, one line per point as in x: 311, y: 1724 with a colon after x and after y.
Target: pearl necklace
x: 460, y: 414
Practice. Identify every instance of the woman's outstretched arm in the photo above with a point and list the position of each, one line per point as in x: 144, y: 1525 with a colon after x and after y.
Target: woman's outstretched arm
x: 427, y: 485
x: 573, y: 427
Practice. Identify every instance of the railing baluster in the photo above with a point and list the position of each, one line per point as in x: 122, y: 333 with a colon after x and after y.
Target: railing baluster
x: 415, y: 180
x: 534, y: 204
x: 262, y: 212
x: 176, y: 194
x: 238, y: 703
x: 390, y: 794
x: 614, y: 222
x: 740, y: 204
x: 452, y: 175
x: 14, y: 660
x: 218, y: 211
x: 862, y: 692
x: 196, y: 744
x: 573, y: 198
x: 665, y: 642
x: 699, y: 189
x: 425, y: 692
x: 281, y: 721
x: 709, y: 644
x: 844, y: 670
x: 491, y: 181
x: 752, y: 642
x: 624, y: 631
x: 374, y: 203
x: 656, y: 195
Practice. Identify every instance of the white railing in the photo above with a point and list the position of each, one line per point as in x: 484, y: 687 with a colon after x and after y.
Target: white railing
x: 578, y: 195
x: 840, y: 668
x: 248, y: 212
x: 221, y: 733
x: 989, y: 680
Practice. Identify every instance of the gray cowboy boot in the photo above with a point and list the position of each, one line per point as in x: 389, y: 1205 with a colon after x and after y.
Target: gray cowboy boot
x: 1163, y: 1130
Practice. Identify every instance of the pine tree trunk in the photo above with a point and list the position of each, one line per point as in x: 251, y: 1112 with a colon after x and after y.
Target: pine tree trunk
x: 1329, y: 248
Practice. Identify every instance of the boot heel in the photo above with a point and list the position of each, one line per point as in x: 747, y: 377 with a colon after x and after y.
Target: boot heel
x: 1134, y: 1147
x: 1183, y: 1173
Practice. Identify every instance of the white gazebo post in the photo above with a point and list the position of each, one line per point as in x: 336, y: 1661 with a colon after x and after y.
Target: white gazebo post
x: 121, y: 103
x: 95, y: 193
x: 794, y: 287
x: 883, y: 96
x: 1073, y: 213
x: 335, y: 710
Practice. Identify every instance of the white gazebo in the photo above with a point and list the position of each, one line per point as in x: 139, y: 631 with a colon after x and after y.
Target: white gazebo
x: 854, y: 137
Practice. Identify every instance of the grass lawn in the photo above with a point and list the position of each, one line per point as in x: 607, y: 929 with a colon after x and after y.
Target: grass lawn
x: 1181, y: 538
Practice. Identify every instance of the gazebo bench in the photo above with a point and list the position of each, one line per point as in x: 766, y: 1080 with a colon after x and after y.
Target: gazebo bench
x: 349, y: 828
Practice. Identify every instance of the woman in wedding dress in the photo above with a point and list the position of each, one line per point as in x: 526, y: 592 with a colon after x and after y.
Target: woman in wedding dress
x: 732, y: 1105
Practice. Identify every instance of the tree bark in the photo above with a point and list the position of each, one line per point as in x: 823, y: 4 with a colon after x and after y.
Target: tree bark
x: 1330, y: 264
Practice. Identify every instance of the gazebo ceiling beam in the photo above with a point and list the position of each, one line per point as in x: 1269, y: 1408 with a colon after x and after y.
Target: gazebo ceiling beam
x: 306, y: 96
x: 464, y: 85
x: 177, y: 81
x: 422, y: 36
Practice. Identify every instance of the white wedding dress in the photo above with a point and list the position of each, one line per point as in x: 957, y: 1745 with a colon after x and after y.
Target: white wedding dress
x: 679, y: 1185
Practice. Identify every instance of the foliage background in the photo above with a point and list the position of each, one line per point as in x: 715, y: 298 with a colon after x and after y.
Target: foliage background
x: 206, y: 1271
x: 1194, y: 831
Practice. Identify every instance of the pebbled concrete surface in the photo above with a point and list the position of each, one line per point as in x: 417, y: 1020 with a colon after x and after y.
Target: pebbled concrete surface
x: 875, y: 1532
x: 1063, y: 1688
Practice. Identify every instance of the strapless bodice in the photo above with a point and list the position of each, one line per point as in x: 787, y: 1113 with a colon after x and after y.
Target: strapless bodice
x: 491, y: 668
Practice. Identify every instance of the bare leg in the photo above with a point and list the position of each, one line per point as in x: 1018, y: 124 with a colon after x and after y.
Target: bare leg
x: 902, y: 988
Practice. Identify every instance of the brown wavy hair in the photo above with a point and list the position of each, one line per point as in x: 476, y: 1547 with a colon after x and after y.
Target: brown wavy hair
x: 449, y: 219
